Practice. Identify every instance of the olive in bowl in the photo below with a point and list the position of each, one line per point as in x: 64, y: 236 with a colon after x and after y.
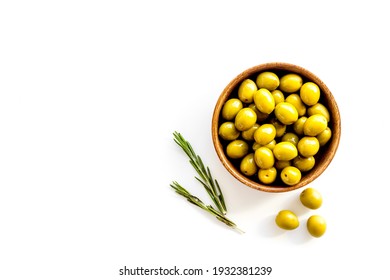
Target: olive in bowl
x: 276, y: 127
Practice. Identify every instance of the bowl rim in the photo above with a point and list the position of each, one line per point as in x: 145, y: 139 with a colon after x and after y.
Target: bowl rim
x: 331, y: 105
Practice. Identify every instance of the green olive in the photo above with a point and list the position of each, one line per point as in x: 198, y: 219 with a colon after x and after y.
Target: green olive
x: 255, y: 146
x: 291, y: 175
x: 308, y: 146
x: 245, y: 119
x: 264, y: 101
x: 310, y: 93
x: 324, y: 136
x: 264, y: 158
x: 298, y: 125
x: 314, y: 125
x: 231, y: 108
x: 267, y: 176
x: 311, y: 198
x: 271, y: 145
x: 248, y: 165
x: 304, y: 163
x: 265, y: 134
x: 318, y: 109
x: 246, y: 90
x: 278, y: 96
x: 268, y: 80
x: 290, y: 83
x: 228, y: 131
x: 280, y: 128
x: 316, y: 225
x: 286, y: 219
x: 280, y: 164
x: 286, y: 113
x: 296, y: 101
x: 260, y: 116
x: 237, y: 149
x: 290, y: 137
x: 285, y: 151
x: 248, y: 134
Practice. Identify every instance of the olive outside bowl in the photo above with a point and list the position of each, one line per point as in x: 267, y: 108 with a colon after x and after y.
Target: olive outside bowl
x: 323, y: 158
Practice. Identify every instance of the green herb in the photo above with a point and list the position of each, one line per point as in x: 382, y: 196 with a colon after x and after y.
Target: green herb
x: 209, y: 183
x: 196, y: 201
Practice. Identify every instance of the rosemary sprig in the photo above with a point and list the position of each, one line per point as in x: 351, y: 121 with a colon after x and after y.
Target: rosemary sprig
x: 209, y: 183
x: 196, y: 201
x: 206, y: 179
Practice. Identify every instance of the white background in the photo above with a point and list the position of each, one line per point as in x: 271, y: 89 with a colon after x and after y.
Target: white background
x: 90, y: 93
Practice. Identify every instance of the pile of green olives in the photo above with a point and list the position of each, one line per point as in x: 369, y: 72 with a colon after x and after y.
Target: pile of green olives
x: 273, y: 127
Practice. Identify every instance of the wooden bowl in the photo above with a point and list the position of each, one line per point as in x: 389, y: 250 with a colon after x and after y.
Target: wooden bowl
x: 323, y: 158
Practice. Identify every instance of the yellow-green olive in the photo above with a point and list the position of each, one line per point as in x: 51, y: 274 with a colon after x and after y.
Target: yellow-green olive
x: 231, y: 108
x: 268, y: 80
x: 248, y: 134
x: 285, y: 151
x: 280, y: 128
x: 248, y: 165
x: 296, y: 101
x: 245, y: 119
x: 255, y: 146
x: 316, y: 225
x: 264, y: 101
x: 290, y: 83
x: 246, y: 90
x: 265, y: 134
x: 260, y: 116
x: 271, y: 145
x: 280, y: 164
x: 267, y: 176
x: 304, y: 163
x: 264, y: 158
x: 286, y: 219
x: 286, y: 113
x: 308, y: 146
x: 278, y: 96
x: 290, y: 137
x: 314, y: 125
x: 310, y: 93
x: 228, y: 131
x: 291, y: 175
x: 318, y: 109
x: 324, y: 136
x: 298, y: 125
x: 311, y: 198
x: 237, y: 149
